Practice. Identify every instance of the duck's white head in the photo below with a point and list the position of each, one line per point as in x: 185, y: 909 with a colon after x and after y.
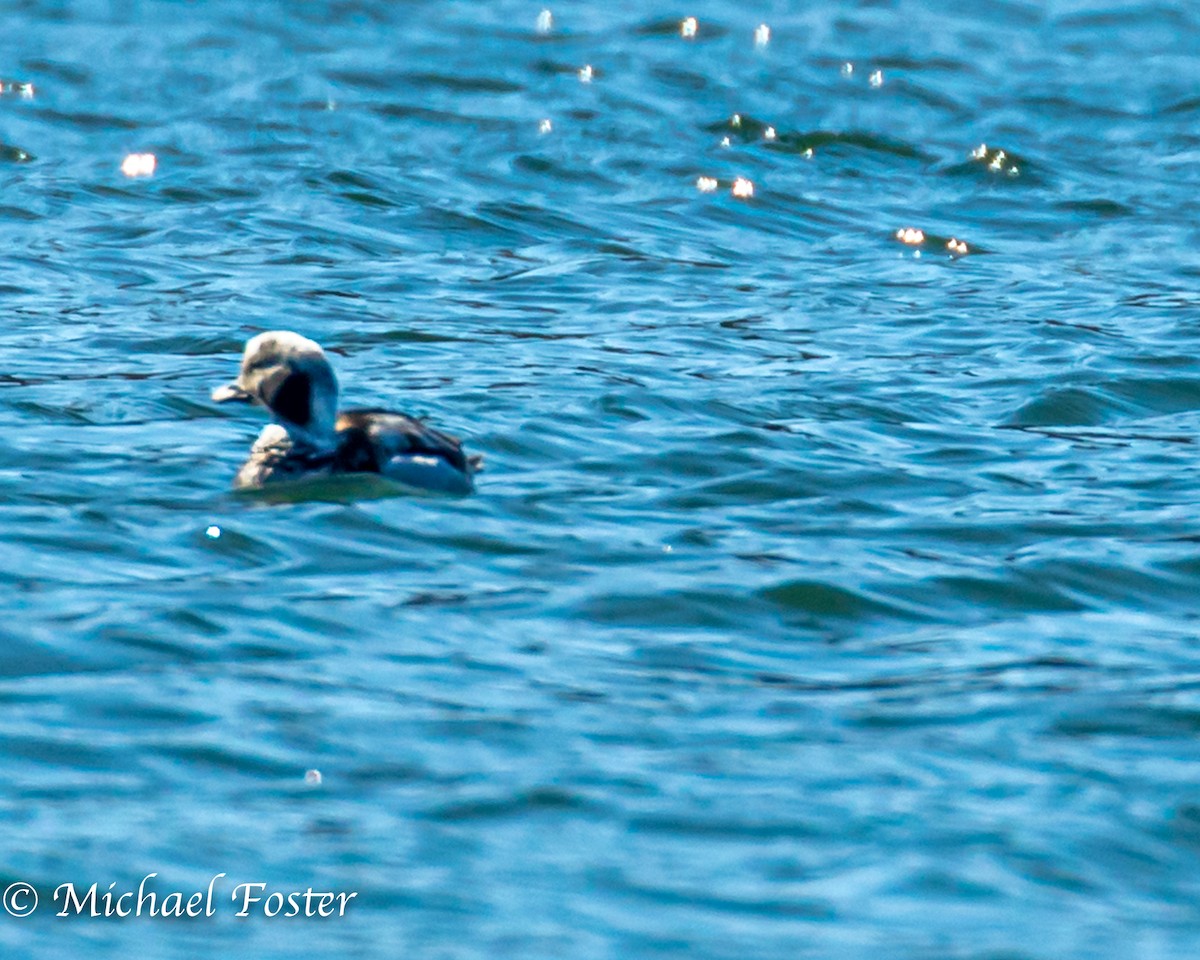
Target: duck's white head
x: 290, y: 376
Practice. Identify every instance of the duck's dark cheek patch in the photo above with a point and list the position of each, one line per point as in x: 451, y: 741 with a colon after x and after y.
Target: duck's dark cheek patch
x: 293, y: 399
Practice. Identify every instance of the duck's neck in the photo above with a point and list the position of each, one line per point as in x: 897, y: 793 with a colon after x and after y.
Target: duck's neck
x: 312, y: 438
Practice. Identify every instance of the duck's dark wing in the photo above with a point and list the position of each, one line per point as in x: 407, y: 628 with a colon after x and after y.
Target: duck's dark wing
x: 375, y: 436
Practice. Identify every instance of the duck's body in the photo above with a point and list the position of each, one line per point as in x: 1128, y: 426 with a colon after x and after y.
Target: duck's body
x: 291, y: 376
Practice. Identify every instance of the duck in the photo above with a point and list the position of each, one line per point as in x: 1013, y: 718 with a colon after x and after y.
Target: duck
x: 291, y: 376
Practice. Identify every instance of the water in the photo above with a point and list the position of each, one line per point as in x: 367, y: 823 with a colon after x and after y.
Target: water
x: 819, y: 599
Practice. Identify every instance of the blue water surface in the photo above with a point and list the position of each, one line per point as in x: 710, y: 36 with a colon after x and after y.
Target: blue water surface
x: 826, y: 594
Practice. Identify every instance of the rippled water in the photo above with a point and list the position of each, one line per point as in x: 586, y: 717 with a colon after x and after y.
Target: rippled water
x: 825, y: 594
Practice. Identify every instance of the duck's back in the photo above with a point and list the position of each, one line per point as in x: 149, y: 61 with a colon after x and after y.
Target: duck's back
x: 404, y: 449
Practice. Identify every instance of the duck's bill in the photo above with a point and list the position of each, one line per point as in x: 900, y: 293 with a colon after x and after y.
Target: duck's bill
x: 231, y: 393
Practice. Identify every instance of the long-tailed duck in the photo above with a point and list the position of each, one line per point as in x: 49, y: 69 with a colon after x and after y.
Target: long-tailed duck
x: 291, y: 376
